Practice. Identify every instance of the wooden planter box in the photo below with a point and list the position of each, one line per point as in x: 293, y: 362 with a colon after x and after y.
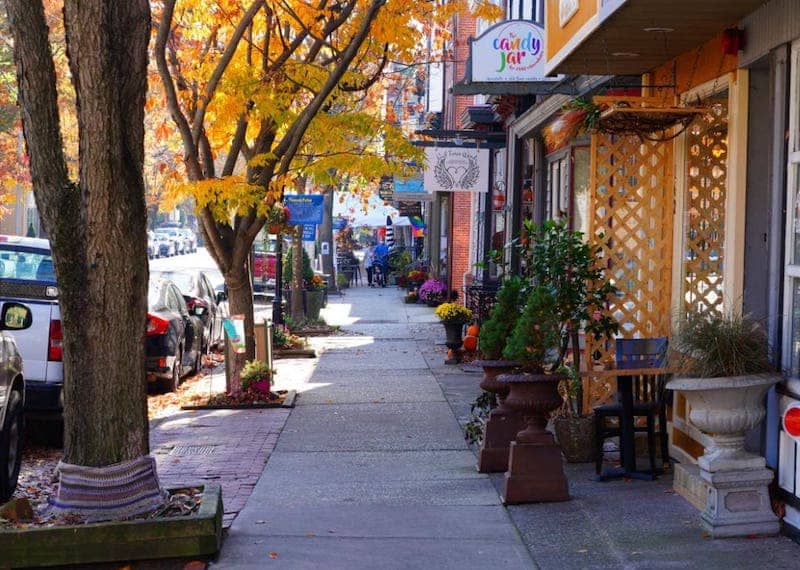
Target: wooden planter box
x: 116, y: 541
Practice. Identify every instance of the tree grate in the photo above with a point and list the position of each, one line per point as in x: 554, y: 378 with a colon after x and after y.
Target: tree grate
x: 192, y: 450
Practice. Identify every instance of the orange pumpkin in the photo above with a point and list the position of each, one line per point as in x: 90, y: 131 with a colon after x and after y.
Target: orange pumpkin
x: 472, y: 330
x: 470, y: 343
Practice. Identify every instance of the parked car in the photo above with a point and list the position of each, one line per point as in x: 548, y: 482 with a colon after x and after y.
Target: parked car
x: 190, y: 239
x: 165, y: 246
x: 13, y: 317
x: 152, y: 245
x: 264, y: 263
x: 175, y: 237
x: 174, y: 336
x: 27, y: 276
x: 201, y: 300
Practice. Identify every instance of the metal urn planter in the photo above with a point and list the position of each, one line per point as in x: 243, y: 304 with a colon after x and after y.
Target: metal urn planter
x: 535, y: 469
x: 454, y: 335
x: 725, y: 409
x: 503, y: 423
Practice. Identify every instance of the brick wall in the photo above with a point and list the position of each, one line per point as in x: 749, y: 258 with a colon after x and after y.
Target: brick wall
x: 462, y: 217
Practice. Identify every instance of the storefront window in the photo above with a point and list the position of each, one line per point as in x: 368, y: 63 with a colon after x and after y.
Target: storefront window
x: 580, y: 189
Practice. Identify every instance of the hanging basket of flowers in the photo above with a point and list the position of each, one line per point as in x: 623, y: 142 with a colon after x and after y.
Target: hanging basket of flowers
x: 277, y: 218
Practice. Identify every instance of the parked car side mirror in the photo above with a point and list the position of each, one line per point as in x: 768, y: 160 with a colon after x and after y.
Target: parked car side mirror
x: 221, y: 296
x: 15, y: 317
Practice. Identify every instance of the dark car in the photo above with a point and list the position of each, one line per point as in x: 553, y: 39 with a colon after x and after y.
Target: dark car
x: 174, y: 336
x: 13, y: 316
x: 201, y: 300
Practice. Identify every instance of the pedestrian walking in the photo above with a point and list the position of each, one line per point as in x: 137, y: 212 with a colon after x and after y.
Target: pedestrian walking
x: 369, y: 259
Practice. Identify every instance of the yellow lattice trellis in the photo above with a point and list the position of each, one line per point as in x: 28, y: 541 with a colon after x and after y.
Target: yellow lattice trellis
x: 631, y: 219
x: 704, y: 226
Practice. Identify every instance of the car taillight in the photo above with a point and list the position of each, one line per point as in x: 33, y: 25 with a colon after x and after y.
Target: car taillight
x: 156, y: 325
x: 55, y: 345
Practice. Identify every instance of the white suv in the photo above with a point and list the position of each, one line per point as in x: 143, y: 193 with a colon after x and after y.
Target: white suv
x: 26, y: 275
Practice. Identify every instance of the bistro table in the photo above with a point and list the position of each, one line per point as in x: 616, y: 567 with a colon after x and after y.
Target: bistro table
x: 624, y: 378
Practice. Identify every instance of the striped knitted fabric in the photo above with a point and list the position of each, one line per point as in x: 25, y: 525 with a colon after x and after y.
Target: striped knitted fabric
x: 112, y: 492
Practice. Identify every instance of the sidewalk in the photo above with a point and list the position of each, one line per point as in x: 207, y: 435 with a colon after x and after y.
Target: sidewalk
x: 371, y: 471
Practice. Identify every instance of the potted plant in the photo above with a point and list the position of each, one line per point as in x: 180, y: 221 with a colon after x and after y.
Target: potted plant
x: 535, y: 472
x: 314, y: 296
x: 433, y: 292
x: 453, y: 316
x: 724, y: 368
x: 559, y: 257
x: 256, y: 376
x: 497, y: 431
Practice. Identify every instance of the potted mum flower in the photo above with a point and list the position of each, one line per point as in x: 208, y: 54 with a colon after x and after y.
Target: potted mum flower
x: 453, y: 316
x: 433, y: 292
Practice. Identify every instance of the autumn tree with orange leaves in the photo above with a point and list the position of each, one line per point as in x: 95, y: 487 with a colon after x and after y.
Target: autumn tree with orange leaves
x: 262, y: 94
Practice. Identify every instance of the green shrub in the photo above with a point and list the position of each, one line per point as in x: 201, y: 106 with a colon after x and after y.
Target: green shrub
x: 536, y: 333
x: 308, y: 272
x: 495, y: 331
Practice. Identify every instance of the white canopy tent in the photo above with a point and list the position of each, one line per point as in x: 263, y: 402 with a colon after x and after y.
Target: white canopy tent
x: 349, y: 206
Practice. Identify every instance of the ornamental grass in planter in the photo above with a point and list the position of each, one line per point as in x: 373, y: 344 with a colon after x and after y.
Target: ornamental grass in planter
x: 724, y: 369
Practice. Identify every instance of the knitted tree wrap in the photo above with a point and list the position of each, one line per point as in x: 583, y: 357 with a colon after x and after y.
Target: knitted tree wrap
x: 115, y: 491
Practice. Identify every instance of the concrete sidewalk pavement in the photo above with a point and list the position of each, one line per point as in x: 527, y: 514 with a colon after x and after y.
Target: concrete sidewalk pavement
x: 371, y: 469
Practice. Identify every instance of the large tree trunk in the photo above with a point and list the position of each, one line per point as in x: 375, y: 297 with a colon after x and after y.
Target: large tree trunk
x: 297, y: 312
x: 97, y: 227
x: 240, y: 302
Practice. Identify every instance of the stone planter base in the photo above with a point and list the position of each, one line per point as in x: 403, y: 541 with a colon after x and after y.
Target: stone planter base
x: 500, y: 431
x: 115, y: 541
x: 535, y: 474
x: 738, y: 504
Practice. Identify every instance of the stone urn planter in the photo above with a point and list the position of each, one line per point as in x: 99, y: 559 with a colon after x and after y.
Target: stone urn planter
x: 503, y: 423
x: 535, y: 469
x: 725, y: 408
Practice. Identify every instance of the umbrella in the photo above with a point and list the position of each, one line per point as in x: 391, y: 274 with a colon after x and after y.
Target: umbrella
x: 389, y: 233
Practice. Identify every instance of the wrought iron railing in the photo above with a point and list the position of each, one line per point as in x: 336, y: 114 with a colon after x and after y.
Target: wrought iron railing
x: 480, y: 299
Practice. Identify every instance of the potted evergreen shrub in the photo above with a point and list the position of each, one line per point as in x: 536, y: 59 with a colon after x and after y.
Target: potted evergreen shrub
x: 723, y: 367
x: 534, y: 393
x: 573, y: 269
x: 502, y: 424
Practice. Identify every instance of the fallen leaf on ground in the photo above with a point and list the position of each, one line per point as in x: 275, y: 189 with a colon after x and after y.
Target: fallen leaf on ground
x: 195, y: 565
x: 310, y: 535
x: 273, y: 554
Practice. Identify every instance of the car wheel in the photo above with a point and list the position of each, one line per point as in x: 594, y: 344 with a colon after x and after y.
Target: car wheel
x: 11, y: 447
x: 177, y: 372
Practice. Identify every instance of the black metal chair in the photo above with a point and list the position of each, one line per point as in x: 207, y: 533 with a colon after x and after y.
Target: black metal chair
x: 648, y: 398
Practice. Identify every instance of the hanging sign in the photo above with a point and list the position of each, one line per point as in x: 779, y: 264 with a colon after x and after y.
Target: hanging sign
x: 455, y: 169
x: 386, y: 189
x: 512, y: 50
x: 304, y: 208
x: 339, y: 223
x: 309, y: 232
x: 409, y: 208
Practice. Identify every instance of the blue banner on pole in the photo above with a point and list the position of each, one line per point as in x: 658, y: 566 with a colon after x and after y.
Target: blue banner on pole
x: 339, y: 223
x: 304, y: 208
x: 309, y: 232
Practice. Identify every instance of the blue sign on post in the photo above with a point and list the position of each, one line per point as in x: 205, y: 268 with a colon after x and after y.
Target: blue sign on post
x: 309, y: 232
x: 339, y: 223
x: 304, y: 208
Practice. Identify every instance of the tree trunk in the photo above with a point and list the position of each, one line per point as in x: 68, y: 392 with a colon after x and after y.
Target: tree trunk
x: 297, y: 312
x: 240, y: 302
x: 326, y: 236
x: 96, y: 227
